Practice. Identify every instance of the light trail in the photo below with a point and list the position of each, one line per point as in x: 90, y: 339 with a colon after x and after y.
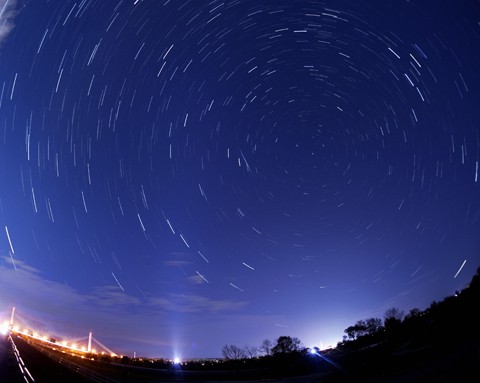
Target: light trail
x: 460, y: 269
x: 23, y: 369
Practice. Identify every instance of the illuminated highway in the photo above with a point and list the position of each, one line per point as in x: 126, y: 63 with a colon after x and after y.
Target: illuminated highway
x: 9, y: 370
x: 32, y: 365
x: 48, y: 364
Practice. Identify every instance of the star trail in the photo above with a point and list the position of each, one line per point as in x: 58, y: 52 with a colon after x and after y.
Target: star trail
x: 179, y: 175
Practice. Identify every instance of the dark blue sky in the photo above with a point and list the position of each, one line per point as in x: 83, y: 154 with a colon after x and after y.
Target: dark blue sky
x: 179, y: 175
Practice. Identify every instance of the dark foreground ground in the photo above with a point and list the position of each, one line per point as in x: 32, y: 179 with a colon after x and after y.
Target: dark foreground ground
x: 439, y: 361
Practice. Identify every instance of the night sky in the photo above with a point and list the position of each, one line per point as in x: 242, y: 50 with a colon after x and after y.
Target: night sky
x: 180, y: 175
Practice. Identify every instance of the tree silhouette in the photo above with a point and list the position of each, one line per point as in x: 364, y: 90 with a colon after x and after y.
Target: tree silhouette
x: 286, y: 344
x: 413, y: 313
x: 351, y: 332
x: 232, y: 352
x: 251, y: 351
x: 266, y: 347
x: 356, y: 331
x: 393, y: 318
x: 373, y: 325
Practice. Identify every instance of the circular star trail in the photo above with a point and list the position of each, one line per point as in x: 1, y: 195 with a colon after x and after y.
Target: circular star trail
x: 259, y: 168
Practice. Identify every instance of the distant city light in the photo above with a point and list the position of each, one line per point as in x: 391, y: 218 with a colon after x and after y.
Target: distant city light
x: 176, y: 360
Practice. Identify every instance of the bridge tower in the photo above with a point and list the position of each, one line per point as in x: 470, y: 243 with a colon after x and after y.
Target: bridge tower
x: 89, y: 348
x: 12, y: 317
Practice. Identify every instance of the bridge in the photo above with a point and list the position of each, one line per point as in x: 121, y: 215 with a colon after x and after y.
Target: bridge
x: 30, y: 356
x: 80, y: 345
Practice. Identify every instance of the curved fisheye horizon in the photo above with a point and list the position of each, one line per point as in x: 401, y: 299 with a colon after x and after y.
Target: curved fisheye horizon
x: 180, y: 176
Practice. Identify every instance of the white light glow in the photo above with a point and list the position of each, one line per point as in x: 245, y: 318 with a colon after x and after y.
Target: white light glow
x: 4, y: 329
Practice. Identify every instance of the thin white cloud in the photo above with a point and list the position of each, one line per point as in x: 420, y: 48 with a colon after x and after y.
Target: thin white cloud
x: 189, y: 303
x: 7, y: 13
x: 27, y: 283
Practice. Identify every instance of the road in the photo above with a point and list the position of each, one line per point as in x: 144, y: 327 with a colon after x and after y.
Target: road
x: 35, y: 362
x: 36, y: 366
x: 46, y: 366
x: 9, y: 368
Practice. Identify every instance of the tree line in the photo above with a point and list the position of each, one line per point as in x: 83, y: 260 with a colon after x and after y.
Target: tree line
x: 286, y: 344
x: 455, y: 316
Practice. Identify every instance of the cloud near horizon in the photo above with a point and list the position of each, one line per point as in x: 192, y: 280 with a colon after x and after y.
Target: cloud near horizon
x: 19, y: 279
x: 58, y: 308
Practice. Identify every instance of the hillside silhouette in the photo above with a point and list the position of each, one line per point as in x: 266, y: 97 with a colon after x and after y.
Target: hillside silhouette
x: 438, y: 344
